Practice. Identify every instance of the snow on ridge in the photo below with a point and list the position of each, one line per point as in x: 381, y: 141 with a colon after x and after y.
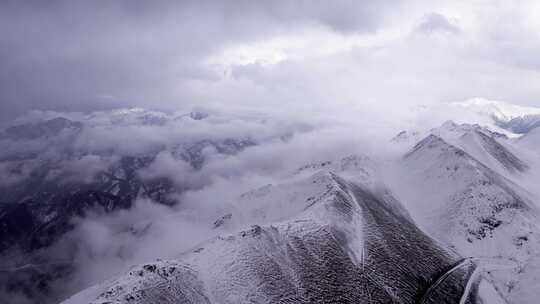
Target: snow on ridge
x: 299, y: 190
x: 474, y: 209
x: 498, y: 109
x: 452, y: 130
x: 491, y: 148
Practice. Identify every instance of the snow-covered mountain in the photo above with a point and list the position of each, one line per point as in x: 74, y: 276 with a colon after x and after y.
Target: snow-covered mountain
x: 517, y: 119
x: 483, y: 144
x: 474, y: 209
x: 449, y: 220
x: 492, y: 148
x: 320, y: 238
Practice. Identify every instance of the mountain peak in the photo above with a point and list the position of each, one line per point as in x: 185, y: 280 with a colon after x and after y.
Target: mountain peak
x: 450, y: 129
x: 431, y: 142
x: 482, y: 144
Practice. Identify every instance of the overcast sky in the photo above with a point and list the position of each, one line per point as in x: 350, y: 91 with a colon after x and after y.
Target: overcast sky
x: 288, y: 55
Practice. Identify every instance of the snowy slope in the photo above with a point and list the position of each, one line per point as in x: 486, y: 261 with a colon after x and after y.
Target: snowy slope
x: 493, y: 149
x: 489, y: 147
x: 525, y: 290
x: 314, y: 238
x: 472, y: 208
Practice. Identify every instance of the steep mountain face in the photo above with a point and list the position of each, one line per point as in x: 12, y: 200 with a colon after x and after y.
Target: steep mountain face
x: 474, y: 209
x: 483, y: 144
x: 335, y: 242
x: 489, y: 147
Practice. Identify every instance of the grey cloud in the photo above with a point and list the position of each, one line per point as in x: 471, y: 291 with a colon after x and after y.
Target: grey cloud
x: 104, y: 137
x: 80, y: 55
x: 512, y: 42
x: 87, y: 56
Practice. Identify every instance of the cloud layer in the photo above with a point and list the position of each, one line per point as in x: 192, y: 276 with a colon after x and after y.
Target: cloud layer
x: 304, y: 56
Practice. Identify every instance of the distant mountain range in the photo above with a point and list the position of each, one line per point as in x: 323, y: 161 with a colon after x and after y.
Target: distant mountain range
x: 517, y: 119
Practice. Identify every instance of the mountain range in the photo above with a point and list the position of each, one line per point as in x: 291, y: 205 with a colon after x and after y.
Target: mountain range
x: 453, y: 217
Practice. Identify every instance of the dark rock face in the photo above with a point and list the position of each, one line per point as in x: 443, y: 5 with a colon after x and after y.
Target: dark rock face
x: 44, y: 208
x: 32, y: 225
